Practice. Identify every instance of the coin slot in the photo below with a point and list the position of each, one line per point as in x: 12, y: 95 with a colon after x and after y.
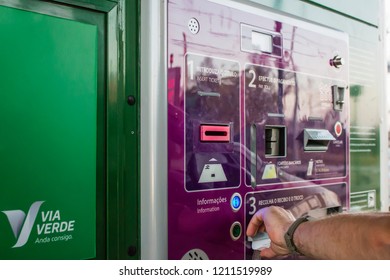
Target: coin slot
x: 317, y: 140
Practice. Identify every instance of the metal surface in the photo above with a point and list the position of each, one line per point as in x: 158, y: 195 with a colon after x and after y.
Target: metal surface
x: 153, y: 128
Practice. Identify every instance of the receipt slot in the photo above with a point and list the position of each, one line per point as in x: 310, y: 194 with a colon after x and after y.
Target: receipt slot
x: 261, y: 118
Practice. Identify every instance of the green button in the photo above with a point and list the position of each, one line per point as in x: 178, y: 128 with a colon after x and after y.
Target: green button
x: 236, y: 230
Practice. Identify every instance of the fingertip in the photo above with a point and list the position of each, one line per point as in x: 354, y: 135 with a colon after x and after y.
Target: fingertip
x: 255, y: 223
x: 251, y: 231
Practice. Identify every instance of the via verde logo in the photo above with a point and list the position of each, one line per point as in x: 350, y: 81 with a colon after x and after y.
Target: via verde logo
x: 21, y: 224
x: 49, y: 228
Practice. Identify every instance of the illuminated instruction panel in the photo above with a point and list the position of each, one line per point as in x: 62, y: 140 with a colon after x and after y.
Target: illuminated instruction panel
x: 258, y: 115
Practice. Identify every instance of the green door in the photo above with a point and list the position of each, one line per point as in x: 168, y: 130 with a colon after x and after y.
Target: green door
x: 52, y: 132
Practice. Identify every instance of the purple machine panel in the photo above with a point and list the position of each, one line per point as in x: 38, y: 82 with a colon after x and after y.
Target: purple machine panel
x: 258, y: 115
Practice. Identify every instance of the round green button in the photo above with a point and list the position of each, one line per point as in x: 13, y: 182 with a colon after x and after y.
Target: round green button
x: 235, y: 230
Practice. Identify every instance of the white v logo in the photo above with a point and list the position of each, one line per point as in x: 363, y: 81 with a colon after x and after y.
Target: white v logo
x: 17, y: 218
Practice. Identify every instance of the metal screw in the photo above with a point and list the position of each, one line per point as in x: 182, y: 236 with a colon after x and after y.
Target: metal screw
x: 131, y: 100
x: 132, y: 251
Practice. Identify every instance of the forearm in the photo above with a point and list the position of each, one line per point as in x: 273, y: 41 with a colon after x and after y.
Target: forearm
x: 345, y: 237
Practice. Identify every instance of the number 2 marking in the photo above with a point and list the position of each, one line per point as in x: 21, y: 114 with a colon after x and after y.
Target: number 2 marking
x: 251, y: 84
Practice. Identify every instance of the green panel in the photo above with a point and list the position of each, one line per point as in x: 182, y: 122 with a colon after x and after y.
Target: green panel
x: 48, y: 127
x: 317, y: 14
x: 363, y: 10
x: 101, y: 5
x: 132, y: 134
x: 365, y: 121
x: 123, y: 222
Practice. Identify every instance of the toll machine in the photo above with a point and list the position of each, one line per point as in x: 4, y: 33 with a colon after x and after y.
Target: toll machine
x: 258, y: 115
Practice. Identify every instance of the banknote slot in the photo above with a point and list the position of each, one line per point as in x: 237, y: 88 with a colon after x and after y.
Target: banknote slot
x: 275, y: 141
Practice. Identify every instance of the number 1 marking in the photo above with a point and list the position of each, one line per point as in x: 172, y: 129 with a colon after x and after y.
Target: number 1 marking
x: 190, y: 65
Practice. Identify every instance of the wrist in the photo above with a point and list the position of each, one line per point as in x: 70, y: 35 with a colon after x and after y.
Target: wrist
x: 289, y: 235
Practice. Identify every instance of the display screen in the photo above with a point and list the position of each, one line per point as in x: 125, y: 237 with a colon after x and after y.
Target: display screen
x: 262, y: 42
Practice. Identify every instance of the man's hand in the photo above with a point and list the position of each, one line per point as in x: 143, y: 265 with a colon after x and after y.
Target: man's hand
x: 275, y: 221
